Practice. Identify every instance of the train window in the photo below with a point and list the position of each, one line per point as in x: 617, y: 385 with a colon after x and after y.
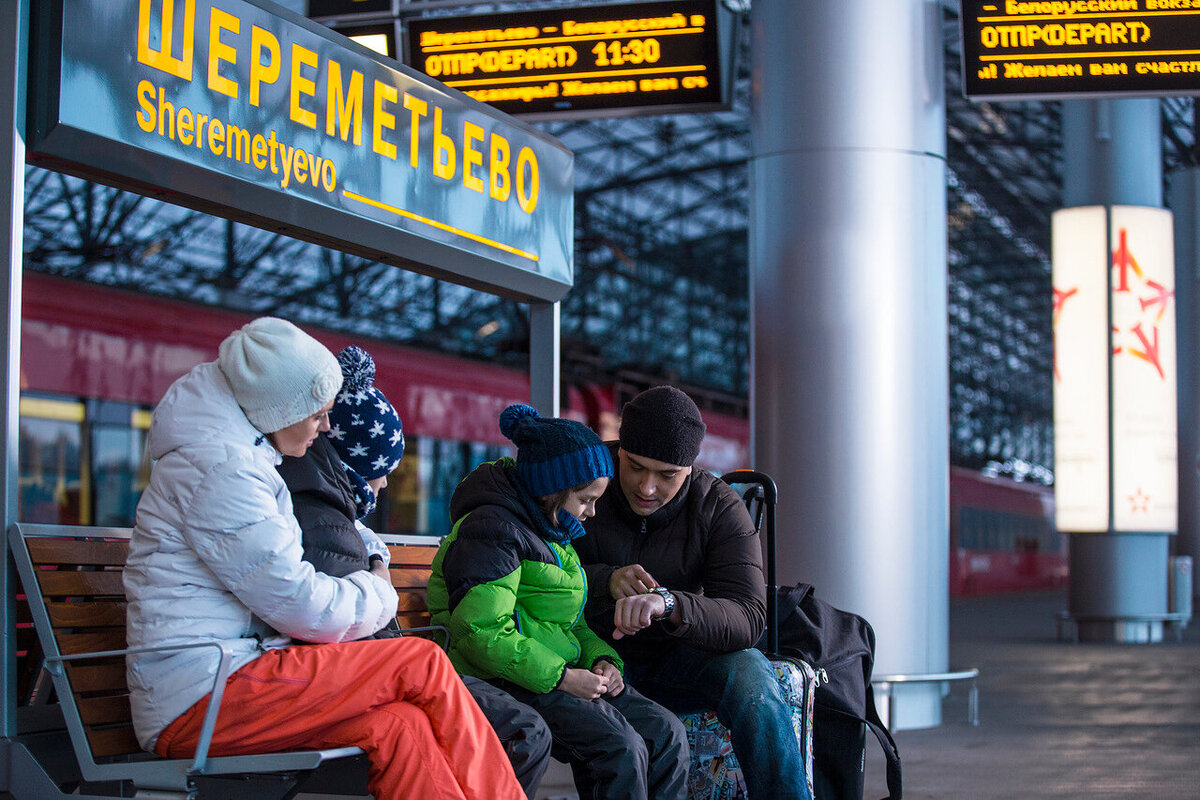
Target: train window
x: 52, y: 486
x: 417, y: 499
x: 121, y: 467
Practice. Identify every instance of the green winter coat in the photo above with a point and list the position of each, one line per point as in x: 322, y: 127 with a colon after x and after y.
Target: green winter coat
x: 511, y: 599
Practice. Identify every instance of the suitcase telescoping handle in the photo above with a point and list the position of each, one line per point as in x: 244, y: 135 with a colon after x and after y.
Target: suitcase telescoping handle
x: 767, y: 494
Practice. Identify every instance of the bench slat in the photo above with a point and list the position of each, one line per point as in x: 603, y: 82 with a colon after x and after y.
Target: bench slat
x: 87, y: 614
x: 70, y: 644
x: 410, y: 578
x: 97, y: 677
x: 105, y: 710
x: 412, y: 555
x: 412, y: 600
x: 62, y: 583
x: 107, y: 742
x: 76, y: 551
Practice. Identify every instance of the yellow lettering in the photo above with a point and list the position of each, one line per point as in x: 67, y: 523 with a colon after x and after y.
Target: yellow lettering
x: 161, y: 59
x: 500, y: 180
x: 285, y: 155
x: 301, y: 168
x: 186, y: 123
x: 200, y: 120
x: 302, y: 57
x: 527, y: 160
x: 380, y: 119
x: 218, y: 52
x: 471, y: 156
x: 216, y: 136
x: 146, y: 118
x: 237, y: 143
x: 166, y: 113
x: 346, y: 108
x: 260, y: 72
x: 442, y: 145
x: 259, y: 147
x: 419, y: 108
x: 328, y: 175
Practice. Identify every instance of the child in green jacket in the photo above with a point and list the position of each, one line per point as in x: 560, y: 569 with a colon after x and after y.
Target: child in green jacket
x: 508, y: 585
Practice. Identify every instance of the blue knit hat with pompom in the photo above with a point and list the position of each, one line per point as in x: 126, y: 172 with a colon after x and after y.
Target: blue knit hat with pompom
x: 554, y: 454
x: 363, y: 427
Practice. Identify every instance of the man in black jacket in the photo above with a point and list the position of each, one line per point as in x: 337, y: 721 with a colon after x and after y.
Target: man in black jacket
x: 675, y: 579
x: 335, y: 483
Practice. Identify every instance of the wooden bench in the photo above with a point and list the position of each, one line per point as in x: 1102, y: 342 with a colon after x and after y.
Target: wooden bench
x: 76, y: 600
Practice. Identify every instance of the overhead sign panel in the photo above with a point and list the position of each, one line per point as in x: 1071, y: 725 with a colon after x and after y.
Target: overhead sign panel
x: 244, y: 109
x: 570, y: 62
x: 1069, y: 48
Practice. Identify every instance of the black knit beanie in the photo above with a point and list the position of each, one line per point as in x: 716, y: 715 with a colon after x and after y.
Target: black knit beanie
x: 662, y: 424
x: 554, y: 454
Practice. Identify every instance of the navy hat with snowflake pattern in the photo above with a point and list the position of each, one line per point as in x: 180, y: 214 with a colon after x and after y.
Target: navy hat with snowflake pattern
x: 364, y: 428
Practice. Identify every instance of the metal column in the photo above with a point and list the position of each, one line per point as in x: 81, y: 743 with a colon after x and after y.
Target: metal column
x: 1184, y: 201
x: 13, y: 34
x: 545, y: 357
x: 848, y: 269
x: 1112, y: 153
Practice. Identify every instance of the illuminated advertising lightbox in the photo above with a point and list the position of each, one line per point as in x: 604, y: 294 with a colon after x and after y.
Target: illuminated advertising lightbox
x: 579, y: 61
x: 1069, y: 48
x: 1114, y: 370
x: 1080, y: 369
x: 244, y: 109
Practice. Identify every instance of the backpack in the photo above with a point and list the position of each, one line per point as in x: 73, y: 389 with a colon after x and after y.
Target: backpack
x: 840, y: 647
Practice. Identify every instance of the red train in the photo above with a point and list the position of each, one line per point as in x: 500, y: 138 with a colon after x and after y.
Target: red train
x: 95, y: 360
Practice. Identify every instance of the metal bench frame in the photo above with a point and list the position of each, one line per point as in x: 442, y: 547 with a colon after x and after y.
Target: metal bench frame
x: 152, y: 776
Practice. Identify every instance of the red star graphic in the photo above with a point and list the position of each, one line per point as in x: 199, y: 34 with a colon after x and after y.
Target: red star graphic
x: 1139, y: 502
x: 1150, y: 349
x: 1160, y: 298
x: 1124, y: 261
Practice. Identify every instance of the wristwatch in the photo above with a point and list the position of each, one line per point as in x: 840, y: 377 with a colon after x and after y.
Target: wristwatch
x: 668, y: 600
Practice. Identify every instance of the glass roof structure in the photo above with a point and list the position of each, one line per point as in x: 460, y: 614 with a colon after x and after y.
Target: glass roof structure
x: 661, y: 292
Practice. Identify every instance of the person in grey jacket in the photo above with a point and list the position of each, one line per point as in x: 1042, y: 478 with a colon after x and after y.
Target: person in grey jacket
x: 215, y: 561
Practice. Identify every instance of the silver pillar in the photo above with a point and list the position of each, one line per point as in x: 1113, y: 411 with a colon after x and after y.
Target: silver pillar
x: 14, y: 15
x: 1112, y: 155
x: 545, y: 358
x: 848, y: 269
x: 1184, y: 202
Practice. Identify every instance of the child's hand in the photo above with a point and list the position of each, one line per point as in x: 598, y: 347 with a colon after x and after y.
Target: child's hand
x: 609, y: 671
x: 583, y: 684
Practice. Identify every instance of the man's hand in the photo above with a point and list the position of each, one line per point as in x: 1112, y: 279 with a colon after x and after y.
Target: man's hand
x: 630, y: 581
x: 583, y: 684
x: 609, y: 671
x: 636, y: 612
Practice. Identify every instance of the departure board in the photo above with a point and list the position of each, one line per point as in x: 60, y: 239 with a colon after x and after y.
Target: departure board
x: 1069, y: 48
x: 624, y: 58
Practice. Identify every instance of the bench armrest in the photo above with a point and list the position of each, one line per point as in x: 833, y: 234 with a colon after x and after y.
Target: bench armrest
x: 224, y: 665
x: 429, y: 629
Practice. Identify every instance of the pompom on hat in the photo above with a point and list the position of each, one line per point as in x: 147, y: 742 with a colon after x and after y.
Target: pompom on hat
x: 364, y: 428
x: 663, y: 424
x: 554, y: 454
x: 278, y: 373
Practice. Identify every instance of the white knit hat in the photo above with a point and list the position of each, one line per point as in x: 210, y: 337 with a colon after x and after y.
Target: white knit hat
x: 279, y: 374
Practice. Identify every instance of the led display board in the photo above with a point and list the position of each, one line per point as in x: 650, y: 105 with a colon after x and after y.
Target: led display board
x: 570, y: 62
x: 1069, y: 48
x: 244, y: 109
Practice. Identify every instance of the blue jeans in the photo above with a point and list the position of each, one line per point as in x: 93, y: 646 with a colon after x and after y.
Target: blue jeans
x: 742, y: 688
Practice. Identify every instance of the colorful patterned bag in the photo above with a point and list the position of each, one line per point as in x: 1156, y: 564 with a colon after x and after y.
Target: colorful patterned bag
x: 715, y: 773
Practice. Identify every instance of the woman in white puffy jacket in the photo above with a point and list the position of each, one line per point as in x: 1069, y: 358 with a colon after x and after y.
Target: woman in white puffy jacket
x: 216, y: 557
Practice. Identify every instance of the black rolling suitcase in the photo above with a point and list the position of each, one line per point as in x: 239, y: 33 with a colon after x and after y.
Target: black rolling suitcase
x: 715, y: 773
x: 840, y: 648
